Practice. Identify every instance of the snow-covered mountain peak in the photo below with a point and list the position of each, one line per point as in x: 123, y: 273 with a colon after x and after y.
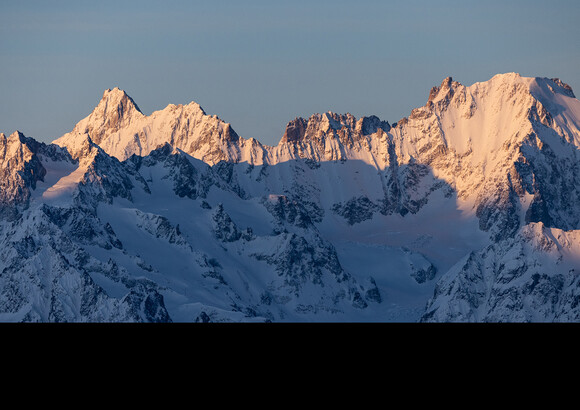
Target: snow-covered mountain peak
x: 512, y: 84
x: 318, y: 126
x: 20, y: 169
x: 18, y: 138
x: 16, y: 135
x: 486, y: 117
x: 328, y: 137
x: 472, y: 199
x: 330, y: 120
x: 118, y: 99
x: 14, y: 148
x: 120, y: 129
x: 497, y: 144
x: 115, y: 111
x: 82, y: 148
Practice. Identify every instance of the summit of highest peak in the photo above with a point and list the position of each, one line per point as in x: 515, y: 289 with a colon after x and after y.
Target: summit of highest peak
x: 509, y: 76
x: 506, y: 79
x: 542, y: 88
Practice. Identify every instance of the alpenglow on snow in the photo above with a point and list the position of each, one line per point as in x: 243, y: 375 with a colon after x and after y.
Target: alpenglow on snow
x: 466, y: 210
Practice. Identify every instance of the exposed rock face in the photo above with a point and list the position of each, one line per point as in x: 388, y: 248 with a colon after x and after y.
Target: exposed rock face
x: 286, y: 211
x: 494, y: 144
x: 326, y: 137
x: 319, y: 127
x: 118, y: 127
x: 47, y: 277
x: 295, y: 131
x: 115, y: 111
x: 20, y: 169
x: 532, y: 277
x: 468, y: 206
x: 307, y: 264
x: 191, y: 179
x: 225, y: 229
x: 356, y: 210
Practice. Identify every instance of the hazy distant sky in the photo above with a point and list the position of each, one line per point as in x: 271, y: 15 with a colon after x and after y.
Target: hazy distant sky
x: 259, y: 64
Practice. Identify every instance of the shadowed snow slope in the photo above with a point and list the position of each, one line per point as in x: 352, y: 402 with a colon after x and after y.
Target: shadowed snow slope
x: 466, y: 210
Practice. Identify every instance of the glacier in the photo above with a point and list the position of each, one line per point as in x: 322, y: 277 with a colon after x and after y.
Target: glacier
x: 464, y: 211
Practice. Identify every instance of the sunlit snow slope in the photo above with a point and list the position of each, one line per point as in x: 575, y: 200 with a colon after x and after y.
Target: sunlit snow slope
x: 466, y: 210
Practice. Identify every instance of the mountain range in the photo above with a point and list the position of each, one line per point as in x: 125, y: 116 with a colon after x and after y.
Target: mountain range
x: 464, y: 211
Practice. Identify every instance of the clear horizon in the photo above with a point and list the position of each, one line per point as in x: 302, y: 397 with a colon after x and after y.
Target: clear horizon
x: 260, y: 64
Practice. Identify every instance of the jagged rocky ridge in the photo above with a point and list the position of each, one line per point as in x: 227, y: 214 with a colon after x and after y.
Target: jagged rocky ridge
x: 174, y: 217
x: 531, y: 277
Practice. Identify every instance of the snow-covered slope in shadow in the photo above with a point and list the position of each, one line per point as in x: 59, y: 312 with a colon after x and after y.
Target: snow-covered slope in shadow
x: 464, y: 211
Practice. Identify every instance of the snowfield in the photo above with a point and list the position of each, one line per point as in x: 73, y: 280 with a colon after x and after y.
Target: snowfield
x: 467, y: 210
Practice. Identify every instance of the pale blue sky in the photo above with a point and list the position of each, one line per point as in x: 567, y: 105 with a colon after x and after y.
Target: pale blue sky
x: 259, y: 64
